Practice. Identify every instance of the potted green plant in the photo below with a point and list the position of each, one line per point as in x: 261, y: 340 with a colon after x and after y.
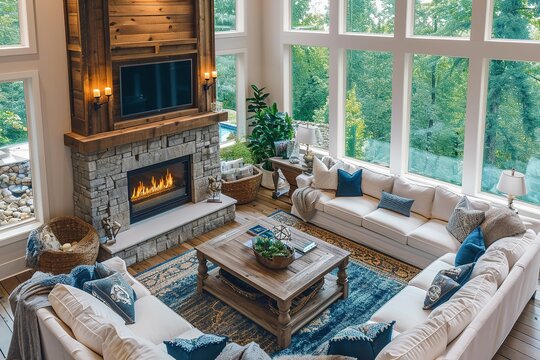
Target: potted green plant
x: 243, y: 190
x: 272, y: 253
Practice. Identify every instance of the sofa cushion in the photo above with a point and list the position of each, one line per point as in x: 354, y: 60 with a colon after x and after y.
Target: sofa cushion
x: 85, y: 315
x: 393, y: 225
x: 120, y: 346
x: 374, y: 183
x: 351, y: 209
x: 396, y: 203
x: 433, y: 238
x: 444, y: 203
x: 513, y: 247
x: 424, y: 279
x: 472, y: 248
x: 426, y: 341
x: 494, y: 263
x: 323, y: 177
x: 421, y: 194
x: 325, y: 197
x: 501, y: 223
x: 156, y: 322
x: 449, y: 258
x: 405, y: 308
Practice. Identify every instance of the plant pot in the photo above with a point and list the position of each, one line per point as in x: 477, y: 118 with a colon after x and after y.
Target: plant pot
x: 268, y: 179
x: 277, y: 262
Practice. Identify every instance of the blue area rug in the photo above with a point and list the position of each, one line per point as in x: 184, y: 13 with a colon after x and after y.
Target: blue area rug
x: 174, y: 282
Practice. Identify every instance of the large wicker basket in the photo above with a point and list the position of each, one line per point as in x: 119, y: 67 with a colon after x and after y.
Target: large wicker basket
x: 244, y: 190
x: 69, y: 230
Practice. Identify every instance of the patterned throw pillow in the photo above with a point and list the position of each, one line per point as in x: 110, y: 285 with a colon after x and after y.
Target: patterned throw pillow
x: 82, y: 274
x: 362, y: 342
x: 102, y: 271
x: 205, y: 347
x: 446, y: 284
x: 396, y: 203
x: 464, y: 220
x: 115, y: 292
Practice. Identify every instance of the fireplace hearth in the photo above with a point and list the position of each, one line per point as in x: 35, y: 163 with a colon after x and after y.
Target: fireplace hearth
x: 158, y: 188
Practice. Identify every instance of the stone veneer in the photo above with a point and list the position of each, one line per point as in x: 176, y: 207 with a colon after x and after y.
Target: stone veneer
x: 101, y: 183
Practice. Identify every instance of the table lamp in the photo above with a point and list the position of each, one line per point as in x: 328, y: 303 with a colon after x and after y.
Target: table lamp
x: 512, y: 183
x: 308, y: 136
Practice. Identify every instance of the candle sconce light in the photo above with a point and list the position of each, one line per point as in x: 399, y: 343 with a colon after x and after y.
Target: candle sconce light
x: 97, y: 98
x: 207, y: 84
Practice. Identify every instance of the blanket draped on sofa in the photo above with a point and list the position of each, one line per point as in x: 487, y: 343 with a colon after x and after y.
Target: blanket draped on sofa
x: 304, y: 201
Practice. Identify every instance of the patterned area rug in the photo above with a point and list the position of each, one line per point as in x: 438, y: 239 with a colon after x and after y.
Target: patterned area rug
x: 374, y: 278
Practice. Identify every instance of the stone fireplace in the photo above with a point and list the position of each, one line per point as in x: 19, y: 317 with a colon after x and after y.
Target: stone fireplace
x: 139, y: 183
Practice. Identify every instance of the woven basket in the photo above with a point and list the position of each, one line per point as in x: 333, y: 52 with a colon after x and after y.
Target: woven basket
x: 69, y: 230
x: 244, y: 190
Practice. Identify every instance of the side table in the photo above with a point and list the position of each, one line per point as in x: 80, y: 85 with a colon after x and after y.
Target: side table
x: 290, y: 171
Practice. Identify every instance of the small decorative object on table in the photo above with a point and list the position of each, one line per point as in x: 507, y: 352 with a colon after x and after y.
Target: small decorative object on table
x: 280, y: 148
x: 282, y: 233
x: 214, y: 190
x: 307, y: 135
x: 216, y: 106
x: 293, y: 152
x: 512, y: 183
x: 112, y: 228
x: 272, y: 253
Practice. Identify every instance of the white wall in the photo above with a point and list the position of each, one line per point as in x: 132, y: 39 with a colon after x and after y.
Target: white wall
x: 51, y: 62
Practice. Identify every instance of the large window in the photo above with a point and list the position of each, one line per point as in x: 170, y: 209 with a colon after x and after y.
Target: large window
x: 225, y: 18
x: 368, y: 106
x: 310, y: 15
x: 443, y: 17
x: 438, y: 107
x: 227, y: 94
x: 372, y: 16
x: 512, y: 136
x: 310, y: 88
x: 16, y: 194
x: 10, y: 33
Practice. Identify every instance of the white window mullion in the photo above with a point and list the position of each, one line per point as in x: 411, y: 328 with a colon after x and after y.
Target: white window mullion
x: 336, y: 103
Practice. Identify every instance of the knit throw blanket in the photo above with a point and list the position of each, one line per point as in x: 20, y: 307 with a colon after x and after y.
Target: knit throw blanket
x: 304, y: 201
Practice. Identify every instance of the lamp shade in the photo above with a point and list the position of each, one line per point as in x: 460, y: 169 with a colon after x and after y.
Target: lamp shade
x: 512, y: 183
x: 307, y: 135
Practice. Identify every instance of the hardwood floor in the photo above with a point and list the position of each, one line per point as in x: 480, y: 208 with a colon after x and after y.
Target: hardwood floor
x: 523, y: 341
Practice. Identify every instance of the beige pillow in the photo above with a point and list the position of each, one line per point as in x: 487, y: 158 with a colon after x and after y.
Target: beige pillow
x: 494, y: 263
x: 444, y: 203
x: 374, y: 183
x: 85, y: 315
x: 323, y: 177
x: 514, y: 247
x: 425, y: 341
x: 421, y: 194
x: 120, y: 346
x: 501, y: 223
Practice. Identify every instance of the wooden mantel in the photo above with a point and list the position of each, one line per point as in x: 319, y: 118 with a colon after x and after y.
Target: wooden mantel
x: 100, y: 142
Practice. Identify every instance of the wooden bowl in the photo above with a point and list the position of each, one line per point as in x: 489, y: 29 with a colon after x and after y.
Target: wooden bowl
x: 277, y: 262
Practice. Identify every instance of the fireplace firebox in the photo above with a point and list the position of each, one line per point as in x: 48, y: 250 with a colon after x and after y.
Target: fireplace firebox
x: 158, y: 188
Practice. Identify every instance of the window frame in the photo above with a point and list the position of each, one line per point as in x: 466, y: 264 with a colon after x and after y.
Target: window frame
x: 19, y: 232
x: 240, y: 23
x: 479, y: 48
x: 27, y: 30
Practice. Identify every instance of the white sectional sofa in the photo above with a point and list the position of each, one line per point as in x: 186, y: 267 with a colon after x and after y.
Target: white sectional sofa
x: 423, y: 240
x: 155, y: 323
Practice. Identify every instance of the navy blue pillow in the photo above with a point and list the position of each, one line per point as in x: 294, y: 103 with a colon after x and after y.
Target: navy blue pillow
x: 349, y: 184
x: 102, y: 271
x: 396, y: 203
x: 361, y: 342
x: 447, y: 283
x: 205, y: 347
x: 116, y: 293
x: 83, y: 273
x: 472, y: 248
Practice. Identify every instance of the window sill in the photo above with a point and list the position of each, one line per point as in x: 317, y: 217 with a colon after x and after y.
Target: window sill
x: 18, y: 232
x: 15, y: 50
x: 230, y: 34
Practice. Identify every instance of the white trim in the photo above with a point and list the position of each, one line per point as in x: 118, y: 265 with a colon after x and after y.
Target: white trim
x: 37, y: 155
x: 27, y: 30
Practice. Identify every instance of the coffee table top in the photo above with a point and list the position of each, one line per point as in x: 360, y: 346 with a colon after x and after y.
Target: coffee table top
x: 231, y: 254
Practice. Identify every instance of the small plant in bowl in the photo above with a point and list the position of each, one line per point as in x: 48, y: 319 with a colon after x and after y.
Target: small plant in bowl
x: 273, y: 253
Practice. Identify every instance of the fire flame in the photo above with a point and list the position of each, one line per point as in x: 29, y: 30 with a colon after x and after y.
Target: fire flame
x: 142, y: 191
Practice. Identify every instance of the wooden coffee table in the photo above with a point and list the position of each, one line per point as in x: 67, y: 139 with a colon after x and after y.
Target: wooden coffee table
x: 231, y: 254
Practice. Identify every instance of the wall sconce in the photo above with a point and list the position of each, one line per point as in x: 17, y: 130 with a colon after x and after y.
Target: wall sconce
x: 207, y: 84
x: 97, y: 96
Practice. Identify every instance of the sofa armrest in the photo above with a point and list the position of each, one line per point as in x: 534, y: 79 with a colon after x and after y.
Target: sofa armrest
x: 304, y: 180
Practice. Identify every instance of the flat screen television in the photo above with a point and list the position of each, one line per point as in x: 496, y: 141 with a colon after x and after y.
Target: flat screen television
x: 156, y: 87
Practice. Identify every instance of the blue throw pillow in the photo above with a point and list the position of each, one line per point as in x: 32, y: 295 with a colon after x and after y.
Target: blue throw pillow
x: 447, y: 283
x: 116, y: 293
x: 472, y: 248
x: 361, y: 342
x: 396, y: 203
x: 205, y: 347
x: 83, y: 273
x: 349, y: 184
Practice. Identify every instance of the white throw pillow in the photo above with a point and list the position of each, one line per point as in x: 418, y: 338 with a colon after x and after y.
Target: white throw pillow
x: 421, y: 194
x: 425, y: 341
x: 444, y: 203
x: 323, y: 177
x: 374, y: 183
x: 85, y: 315
x: 462, y: 308
x: 513, y: 247
x: 494, y: 263
x: 121, y: 346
